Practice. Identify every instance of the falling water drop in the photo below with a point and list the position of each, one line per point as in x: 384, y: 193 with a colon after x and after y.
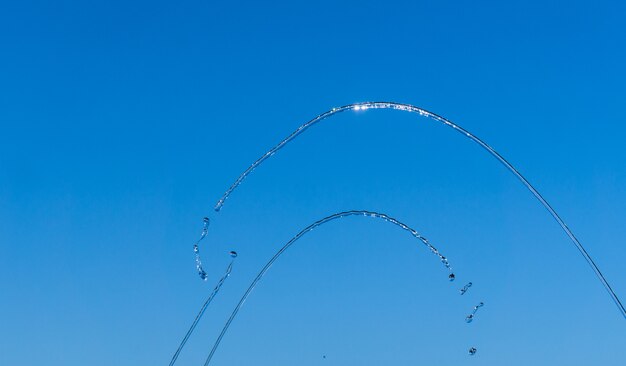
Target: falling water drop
x: 465, y: 288
x: 233, y: 254
x: 472, y: 351
x: 196, y: 250
x: 451, y: 277
x: 470, y: 317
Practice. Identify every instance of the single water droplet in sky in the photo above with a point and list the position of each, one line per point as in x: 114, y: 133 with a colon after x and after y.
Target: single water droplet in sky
x: 206, y: 220
x: 451, y: 277
x: 472, y: 351
x: 470, y: 317
x: 465, y: 288
x: 233, y: 254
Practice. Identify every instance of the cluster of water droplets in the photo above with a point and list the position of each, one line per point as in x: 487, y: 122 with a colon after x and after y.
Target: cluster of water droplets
x: 413, y: 232
x: 470, y: 317
x: 196, y: 249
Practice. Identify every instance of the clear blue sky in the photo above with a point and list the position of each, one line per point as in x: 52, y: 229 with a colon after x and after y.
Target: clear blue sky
x: 122, y: 122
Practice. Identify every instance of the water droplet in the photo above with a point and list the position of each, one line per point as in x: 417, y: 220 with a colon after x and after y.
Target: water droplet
x: 465, y: 288
x: 196, y: 250
x: 451, y: 277
x: 470, y: 317
x: 233, y: 254
x: 472, y: 351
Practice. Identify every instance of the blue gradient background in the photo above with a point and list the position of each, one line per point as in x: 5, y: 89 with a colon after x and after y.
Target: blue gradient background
x: 123, y: 122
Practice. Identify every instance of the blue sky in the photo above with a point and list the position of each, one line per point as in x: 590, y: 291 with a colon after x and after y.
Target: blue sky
x: 123, y: 122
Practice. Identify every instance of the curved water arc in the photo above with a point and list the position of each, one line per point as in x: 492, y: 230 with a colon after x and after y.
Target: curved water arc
x: 489, y: 149
x: 326, y: 219
x: 203, y: 308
